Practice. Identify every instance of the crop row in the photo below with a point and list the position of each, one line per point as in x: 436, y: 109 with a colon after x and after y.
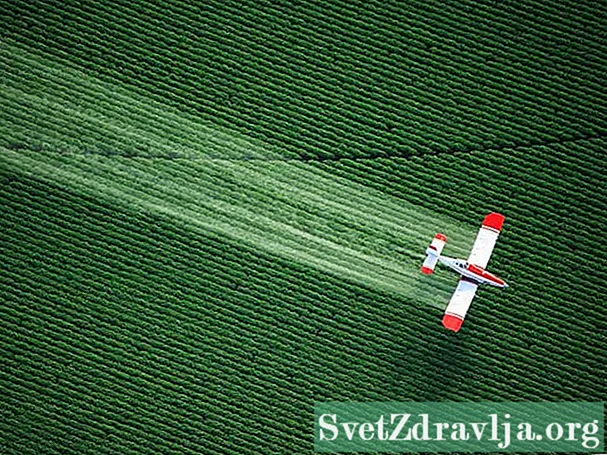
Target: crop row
x: 211, y: 183
x: 334, y: 338
x: 271, y: 116
x: 425, y: 169
x: 183, y: 304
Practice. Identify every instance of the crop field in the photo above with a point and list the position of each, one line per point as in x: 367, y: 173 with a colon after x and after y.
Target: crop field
x: 214, y: 214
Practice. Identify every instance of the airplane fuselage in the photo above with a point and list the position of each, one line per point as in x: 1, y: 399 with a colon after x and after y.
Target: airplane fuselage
x: 473, y: 272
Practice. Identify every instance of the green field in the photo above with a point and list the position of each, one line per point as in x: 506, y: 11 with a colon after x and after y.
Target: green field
x: 214, y: 215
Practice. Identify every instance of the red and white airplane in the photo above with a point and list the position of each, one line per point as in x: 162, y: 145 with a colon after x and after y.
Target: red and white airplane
x: 472, y: 271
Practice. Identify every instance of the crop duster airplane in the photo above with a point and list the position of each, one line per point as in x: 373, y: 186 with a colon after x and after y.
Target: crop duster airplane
x: 472, y: 271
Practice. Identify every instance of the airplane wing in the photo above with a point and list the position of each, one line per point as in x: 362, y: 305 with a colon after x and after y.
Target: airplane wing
x: 485, y: 240
x: 459, y: 304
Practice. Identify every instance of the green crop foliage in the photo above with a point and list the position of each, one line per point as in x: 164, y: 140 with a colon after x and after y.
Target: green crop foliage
x: 214, y: 215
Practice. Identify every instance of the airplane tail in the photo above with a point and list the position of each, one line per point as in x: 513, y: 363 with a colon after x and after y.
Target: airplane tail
x: 433, y: 252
